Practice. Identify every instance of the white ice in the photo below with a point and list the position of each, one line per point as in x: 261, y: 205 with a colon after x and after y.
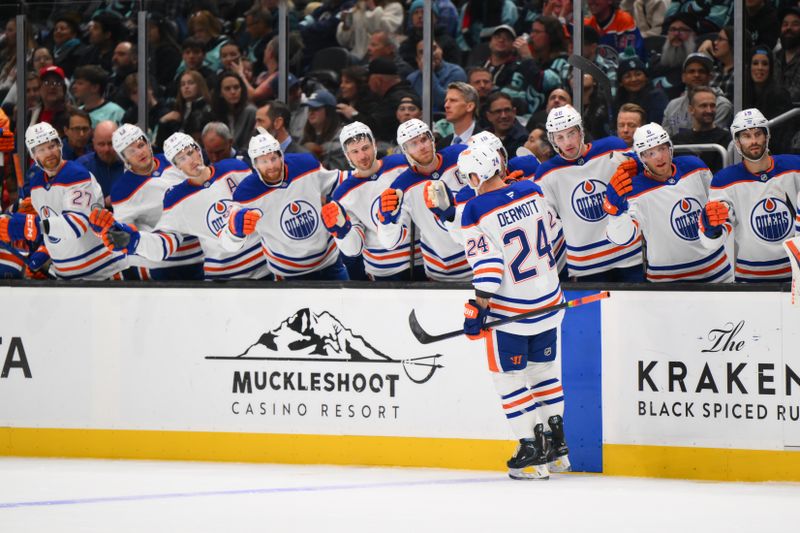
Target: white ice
x: 56, y: 495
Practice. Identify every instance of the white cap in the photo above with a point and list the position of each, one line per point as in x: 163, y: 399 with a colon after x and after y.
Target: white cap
x: 560, y: 119
x: 352, y: 131
x: 487, y: 138
x: 409, y: 130
x: 262, y: 144
x: 40, y: 133
x: 176, y: 143
x: 482, y: 160
x: 124, y: 136
x: 649, y: 136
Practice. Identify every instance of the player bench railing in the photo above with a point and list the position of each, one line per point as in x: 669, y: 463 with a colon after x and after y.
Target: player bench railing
x: 710, y: 147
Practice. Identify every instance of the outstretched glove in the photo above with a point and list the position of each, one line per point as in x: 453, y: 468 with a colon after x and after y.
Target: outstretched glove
x: 475, y: 319
x: 336, y: 219
x: 100, y: 220
x: 439, y: 199
x: 121, y: 238
x: 18, y: 227
x: 243, y: 221
x: 619, y: 187
x: 714, y: 215
x: 391, y: 202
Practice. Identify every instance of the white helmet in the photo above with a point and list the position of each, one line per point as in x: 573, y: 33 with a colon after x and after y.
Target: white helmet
x: 408, y: 130
x: 482, y: 160
x: 488, y: 138
x: 40, y: 133
x: 650, y: 136
x: 353, y: 131
x: 560, y: 119
x: 262, y: 144
x: 124, y: 136
x: 748, y: 119
x: 176, y: 143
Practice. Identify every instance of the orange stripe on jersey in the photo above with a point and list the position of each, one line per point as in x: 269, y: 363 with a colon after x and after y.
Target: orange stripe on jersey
x: 793, y: 248
x: 11, y: 258
x: 548, y: 392
x: 691, y: 273
x: 491, y: 356
x: 76, y: 219
x: 190, y: 246
x: 441, y: 265
x: 522, y: 400
x: 785, y: 270
x: 386, y: 256
x: 298, y: 265
x: 84, y: 265
x: 519, y: 310
x: 488, y: 270
x: 144, y: 273
x: 603, y: 253
x: 231, y: 267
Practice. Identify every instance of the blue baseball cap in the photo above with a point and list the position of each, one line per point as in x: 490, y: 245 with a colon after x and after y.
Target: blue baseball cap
x: 321, y: 98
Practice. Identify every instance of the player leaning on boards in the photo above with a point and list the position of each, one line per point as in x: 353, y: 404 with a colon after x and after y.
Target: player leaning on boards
x: 404, y: 202
x: 352, y: 214
x: 200, y: 206
x: 63, y: 194
x: 138, y: 200
x: 506, y: 243
x: 574, y: 183
x: 280, y: 203
x: 756, y: 201
x: 663, y: 203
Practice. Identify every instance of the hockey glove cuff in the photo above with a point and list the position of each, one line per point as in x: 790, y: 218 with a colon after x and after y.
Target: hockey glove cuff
x: 475, y: 319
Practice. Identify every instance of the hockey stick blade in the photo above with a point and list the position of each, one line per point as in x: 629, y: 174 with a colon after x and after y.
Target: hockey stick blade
x: 426, y: 338
x: 588, y: 67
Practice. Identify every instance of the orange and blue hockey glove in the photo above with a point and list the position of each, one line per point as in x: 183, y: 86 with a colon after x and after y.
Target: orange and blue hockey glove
x: 714, y: 215
x: 336, y: 219
x: 243, y: 221
x: 475, y: 319
x: 100, y: 220
x: 391, y: 202
x: 439, y: 199
x: 18, y: 227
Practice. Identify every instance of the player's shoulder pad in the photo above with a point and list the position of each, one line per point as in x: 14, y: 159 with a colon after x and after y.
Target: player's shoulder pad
x: 482, y: 204
x: 229, y: 165
x: 72, y: 173
x: 393, y: 161
x: 605, y: 145
x: 124, y: 187
x: 162, y: 164
x: 730, y: 175
x: 786, y: 163
x: 347, y: 186
x: 177, y: 193
x: 450, y: 155
x: 250, y: 188
x: 406, y: 179
x: 689, y: 163
x: 300, y: 164
x: 464, y: 195
x: 548, y: 166
x: 526, y: 163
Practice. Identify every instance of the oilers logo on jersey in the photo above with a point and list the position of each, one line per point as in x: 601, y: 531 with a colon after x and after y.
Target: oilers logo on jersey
x: 771, y: 219
x: 44, y: 213
x: 683, y: 218
x: 217, y: 215
x: 587, y: 200
x: 299, y: 220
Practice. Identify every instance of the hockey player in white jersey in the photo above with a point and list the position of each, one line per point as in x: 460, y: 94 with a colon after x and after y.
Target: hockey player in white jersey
x: 280, y: 203
x: 63, y: 194
x: 199, y: 206
x: 514, y: 271
x: 404, y: 202
x: 663, y: 203
x: 574, y: 183
x: 352, y: 214
x: 754, y: 200
x: 138, y: 200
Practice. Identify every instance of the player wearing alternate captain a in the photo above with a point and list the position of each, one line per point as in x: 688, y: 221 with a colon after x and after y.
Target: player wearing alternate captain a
x: 280, y: 203
x: 138, y: 200
x: 404, y: 202
x: 663, y: 203
x: 574, y: 183
x: 514, y: 271
x: 63, y: 194
x: 352, y: 214
x: 754, y: 200
x: 200, y: 206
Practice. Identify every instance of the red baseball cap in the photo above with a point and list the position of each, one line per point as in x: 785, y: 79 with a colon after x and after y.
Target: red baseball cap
x: 52, y: 69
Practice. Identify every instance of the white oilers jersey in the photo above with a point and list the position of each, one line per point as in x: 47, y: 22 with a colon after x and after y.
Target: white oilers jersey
x: 509, y: 252
x: 294, y: 238
x: 65, y: 201
x: 762, y: 216
x: 442, y: 256
x: 202, y: 211
x: 576, y: 191
x: 361, y: 198
x: 139, y: 200
x: 666, y: 213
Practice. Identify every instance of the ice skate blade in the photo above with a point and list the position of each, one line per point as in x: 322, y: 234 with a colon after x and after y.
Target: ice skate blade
x: 561, y: 464
x: 529, y: 473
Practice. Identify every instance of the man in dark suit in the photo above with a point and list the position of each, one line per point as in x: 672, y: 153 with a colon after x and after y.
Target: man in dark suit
x: 274, y: 117
x: 461, y: 110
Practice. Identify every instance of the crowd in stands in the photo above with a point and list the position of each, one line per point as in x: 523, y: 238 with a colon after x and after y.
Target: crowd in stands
x: 497, y: 65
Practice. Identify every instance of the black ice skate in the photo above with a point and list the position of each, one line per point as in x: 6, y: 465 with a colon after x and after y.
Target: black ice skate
x: 530, y: 461
x: 557, y: 451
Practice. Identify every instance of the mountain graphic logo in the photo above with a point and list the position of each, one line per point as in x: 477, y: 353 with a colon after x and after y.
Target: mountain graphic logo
x: 321, y: 337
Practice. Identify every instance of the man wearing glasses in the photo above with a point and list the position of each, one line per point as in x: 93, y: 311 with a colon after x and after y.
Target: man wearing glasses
x: 502, y: 115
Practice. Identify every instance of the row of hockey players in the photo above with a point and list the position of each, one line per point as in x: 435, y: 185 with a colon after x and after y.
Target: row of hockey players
x: 177, y: 218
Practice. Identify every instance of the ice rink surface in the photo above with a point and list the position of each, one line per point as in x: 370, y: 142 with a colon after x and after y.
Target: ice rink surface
x: 55, y: 495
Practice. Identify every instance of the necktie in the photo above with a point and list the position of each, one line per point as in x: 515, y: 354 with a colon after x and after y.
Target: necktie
x: 456, y: 140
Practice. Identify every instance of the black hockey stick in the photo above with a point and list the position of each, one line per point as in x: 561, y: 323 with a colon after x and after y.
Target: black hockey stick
x: 603, y: 82
x: 426, y: 338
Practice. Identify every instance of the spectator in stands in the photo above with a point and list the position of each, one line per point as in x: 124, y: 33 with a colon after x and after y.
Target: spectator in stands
x: 442, y: 75
x: 696, y: 72
x: 358, y: 22
x: 461, y: 111
x: 595, y: 110
x: 615, y: 27
x: 77, y: 134
x: 275, y: 117
x: 761, y: 21
x: 479, y: 16
x: 591, y: 42
x: 105, y: 31
x: 40, y: 59
x: 765, y: 94
x: 702, y: 107
x: 295, y: 101
x: 67, y: 48
x: 630, y: 117
x: 636, y: 88
x: 33, y: 97
x: 217, y: 141
x: 319, y: 30
x: 103, y: 162
x: 230, y: 106
x: 648, y: 14
x: 264, y: 87
x: 156, y: 108
x: 447, y: 17
x: 787, y: 64
x: 54, y: 98
x: 355, y: 100
x: 410, y: 106
x: 321, y: 134
x: 125, y: 61
x: 230, y: 57
x: 538, y: 144
x: 722, y: 51
x: 502, y: 116
x: 503, y: 60
x: 88, y: 87
x: 381, y: 44
x: 387, y: 85
x: 667, y: 70
x: 207, y: 29
x: 481, y: 80
x: 712, y: 15
x: 192, y: 104
x: 258, y: 29
x: 408, y: 48
x: 164, y: 53
x: 193, y: 55
x: 558, y: 97
x: 544, y: 63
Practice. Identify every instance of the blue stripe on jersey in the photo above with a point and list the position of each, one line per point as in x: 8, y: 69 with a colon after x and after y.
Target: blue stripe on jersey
x: 524, y: 301
x: 448, y: 272
x: 234, y: 257
x: 77, y: 257
x: 717, y: 275
x: 487, y: 261
x: 598, y: 244
x: 782, y: 163
x: 763, y: 263
x: 307, y: 257
x: 185, y: 257
x: 545, y: 383
x: 633, y: 252
x: 497, y: 281
x: 71, y: 224
x: 699, y: 262
x: 228, y: 275
x: 430, y: 251
x: 516, y: 392
x: 556, y: 400
x: 94, y: 270
x: 526, y: 163
x: 385, y: 265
